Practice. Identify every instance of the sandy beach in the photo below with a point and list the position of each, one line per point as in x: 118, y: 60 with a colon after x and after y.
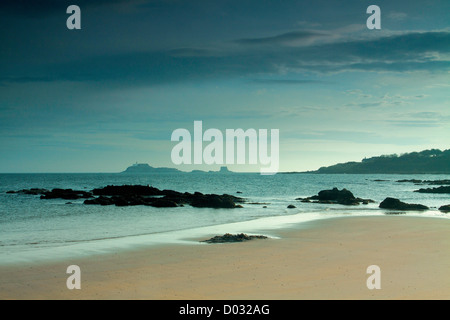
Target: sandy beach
x: 325, y: 259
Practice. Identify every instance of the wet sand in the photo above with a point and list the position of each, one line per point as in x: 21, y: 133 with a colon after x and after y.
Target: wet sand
x: 325, y: 259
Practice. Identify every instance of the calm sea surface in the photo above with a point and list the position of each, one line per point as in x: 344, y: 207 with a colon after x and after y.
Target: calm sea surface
x: 32, y: 229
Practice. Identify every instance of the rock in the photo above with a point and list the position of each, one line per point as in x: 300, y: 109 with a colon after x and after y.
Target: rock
x: 103, y: 201
x: 438, y: 182
x: 395, y: 212
x: 364, y: 201
x: 432, y: 182
x: 396, y: 204
x: 146, y: 195
x: 32, y: 191
x: 171, y: 193
x: 264, y: 207
x: 233, y: 238
x: 335, y: 196
x: 291, y: 206
x: 163, y: 203
x: 445, y: 208
x: 66, y: 194
x: 441, y: 189
x: 122, y: 201
x: 127, y: 190
x: 410, y: 180
x: 213, y: 201
x: 133, y: 195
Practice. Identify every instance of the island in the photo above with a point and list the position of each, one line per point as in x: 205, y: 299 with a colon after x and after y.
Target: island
x: 142, y: 168
x: 145, y: 168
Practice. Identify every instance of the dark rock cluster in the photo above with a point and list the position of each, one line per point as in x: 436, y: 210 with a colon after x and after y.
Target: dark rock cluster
x: 441, y: 189
x: 335, y: 196
x: 32, y: 191
x: 133, y: 195
x: 66, y: 194
x: 416, y: 181
x: 435, y: 182
x: 130, y: 195
x: 396, y: 204
x: 228, y: 237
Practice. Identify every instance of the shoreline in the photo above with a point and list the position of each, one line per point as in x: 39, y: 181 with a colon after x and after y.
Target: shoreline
x: 320, y: 259
x: 189, y: 236
x: 268, y: 226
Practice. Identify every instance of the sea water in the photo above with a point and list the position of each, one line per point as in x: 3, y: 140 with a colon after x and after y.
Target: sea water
x: 33, y: 230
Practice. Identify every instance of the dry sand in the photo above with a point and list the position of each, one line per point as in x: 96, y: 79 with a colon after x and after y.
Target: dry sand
x: 326, y: 260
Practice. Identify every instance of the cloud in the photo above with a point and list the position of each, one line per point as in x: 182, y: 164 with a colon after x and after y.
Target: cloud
x: 400, y: 53
x: 309, y: 24
x: 398, y: 16
x: 393, y: 53
x: 414, y: 123
x: 426, y: 114
x: 384, y: 101
x: 193, y: 52
x: 365, y: 104
x: 289, y: 81
x: 285, y: 38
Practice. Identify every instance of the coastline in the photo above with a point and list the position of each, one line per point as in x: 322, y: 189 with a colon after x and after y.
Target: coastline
x: 320, y: 259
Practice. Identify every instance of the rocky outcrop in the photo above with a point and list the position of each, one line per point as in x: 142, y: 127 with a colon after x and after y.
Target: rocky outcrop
x: 104, y: 201
x: 163, y: 203
x: 441, y: 189
x: 445, y: 208
x: 410, y: 180
x: 433, y: 182
x: 133, y: 195
x: 126, y: 190
x: 336, y: 196
x: 66, y: 194
x: 438, y: 182
x: 33, y: 191
x: 396, y: 204
x: 233, y: 238
x: 211, y: 201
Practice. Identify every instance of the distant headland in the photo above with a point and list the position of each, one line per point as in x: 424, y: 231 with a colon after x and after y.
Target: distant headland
x: 432, y: 161
x: 143, y: 168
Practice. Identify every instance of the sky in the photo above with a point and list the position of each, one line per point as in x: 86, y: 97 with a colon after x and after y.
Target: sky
x: 110, y: 94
